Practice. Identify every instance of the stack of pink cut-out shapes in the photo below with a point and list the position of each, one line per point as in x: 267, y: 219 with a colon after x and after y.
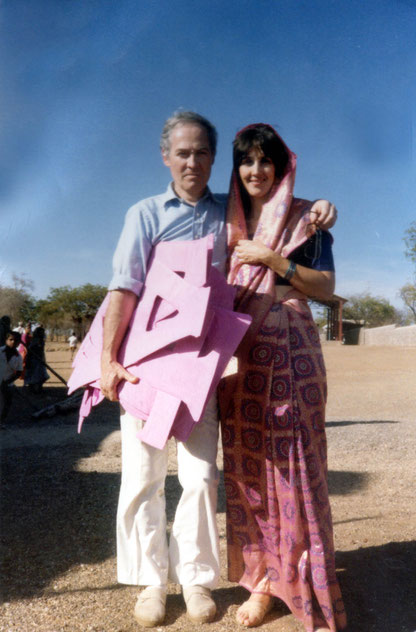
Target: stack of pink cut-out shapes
x: 180, y: 339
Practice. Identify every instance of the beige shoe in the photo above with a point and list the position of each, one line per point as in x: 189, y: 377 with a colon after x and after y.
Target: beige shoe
x: 150, y: 607
x: 200, y: 606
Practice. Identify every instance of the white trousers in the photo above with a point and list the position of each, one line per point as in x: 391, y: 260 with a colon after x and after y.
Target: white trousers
x: 144, y: 556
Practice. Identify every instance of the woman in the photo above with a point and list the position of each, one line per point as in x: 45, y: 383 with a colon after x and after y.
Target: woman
x: 279, y: 527
x: 26, y: 339
x: 36, y: 373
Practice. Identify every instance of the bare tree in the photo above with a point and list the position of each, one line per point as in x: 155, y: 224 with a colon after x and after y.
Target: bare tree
x: 15, y: 301
x: 408, y: 295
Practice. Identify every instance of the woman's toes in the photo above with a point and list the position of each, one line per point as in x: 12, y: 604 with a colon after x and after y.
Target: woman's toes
x: 252, y: 612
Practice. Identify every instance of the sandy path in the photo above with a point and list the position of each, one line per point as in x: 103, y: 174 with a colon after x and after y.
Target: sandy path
x: 60, y: 491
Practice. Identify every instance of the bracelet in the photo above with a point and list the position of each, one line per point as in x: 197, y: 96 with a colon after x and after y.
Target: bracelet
x: 290, y: 271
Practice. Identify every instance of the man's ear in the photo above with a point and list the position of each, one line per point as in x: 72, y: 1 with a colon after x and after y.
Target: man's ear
x: 165, y: 158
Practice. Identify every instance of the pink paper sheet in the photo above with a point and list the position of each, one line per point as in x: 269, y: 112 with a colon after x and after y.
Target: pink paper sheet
x: 179, y: 341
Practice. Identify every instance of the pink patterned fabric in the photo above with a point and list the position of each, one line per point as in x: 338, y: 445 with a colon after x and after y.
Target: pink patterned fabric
x: 279, y: 528
x: 179, y: 341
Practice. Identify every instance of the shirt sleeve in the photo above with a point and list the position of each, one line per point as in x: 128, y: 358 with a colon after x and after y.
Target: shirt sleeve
x: 132, y: 251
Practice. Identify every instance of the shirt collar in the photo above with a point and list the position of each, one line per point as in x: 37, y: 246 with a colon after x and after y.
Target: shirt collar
x: 170, y: 195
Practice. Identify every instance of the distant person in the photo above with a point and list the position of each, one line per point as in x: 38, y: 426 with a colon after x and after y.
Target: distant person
x: 73, y: 342
x: 11, y: 367
x: 20, y: 329
x: 26, y: 339
x: 187, y: 210
x: 4, y: 329
x: 279, y: 526
x: 36, y: 373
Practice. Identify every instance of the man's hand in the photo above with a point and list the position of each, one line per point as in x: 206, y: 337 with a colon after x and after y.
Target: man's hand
x: 116, y: 321
x: 112, y: 373
x: 323, y: 215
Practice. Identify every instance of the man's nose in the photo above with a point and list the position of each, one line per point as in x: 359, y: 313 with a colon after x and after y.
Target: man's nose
x: 192, y: 160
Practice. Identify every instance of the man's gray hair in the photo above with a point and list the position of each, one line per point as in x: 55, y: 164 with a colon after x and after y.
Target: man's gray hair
x: 182, y: 117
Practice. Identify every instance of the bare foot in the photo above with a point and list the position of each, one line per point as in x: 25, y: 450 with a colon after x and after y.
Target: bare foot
x: 252, y: 612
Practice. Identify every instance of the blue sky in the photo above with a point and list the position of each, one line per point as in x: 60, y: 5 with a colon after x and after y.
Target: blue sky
x: 86, y: 86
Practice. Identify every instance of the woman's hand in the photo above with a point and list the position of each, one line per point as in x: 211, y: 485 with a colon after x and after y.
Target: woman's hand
x: 311, y: 282
x: 253, y: 252
x: 323, y: 215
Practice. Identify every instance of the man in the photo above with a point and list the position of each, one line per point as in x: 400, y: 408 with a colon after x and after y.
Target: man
x: 187, y: 210
x: 20, y: 329
x: 72, y: 342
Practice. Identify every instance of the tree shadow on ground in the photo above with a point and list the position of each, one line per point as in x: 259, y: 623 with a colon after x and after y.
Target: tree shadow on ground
x: 379, y: 587
x: 26, y: 402
x: 339, y: 424
x: 341, y: 483
x: 54, y: 516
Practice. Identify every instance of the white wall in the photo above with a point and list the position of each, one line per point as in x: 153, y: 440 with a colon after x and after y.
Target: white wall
x: 389, y: 335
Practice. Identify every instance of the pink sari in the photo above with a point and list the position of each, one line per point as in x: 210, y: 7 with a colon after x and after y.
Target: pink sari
x: 279, y: 527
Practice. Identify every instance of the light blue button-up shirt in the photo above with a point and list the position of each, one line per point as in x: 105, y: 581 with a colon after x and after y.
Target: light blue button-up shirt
x: 166, y: 217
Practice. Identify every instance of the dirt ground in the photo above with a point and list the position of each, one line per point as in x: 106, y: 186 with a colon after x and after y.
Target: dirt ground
x: 59, y: 495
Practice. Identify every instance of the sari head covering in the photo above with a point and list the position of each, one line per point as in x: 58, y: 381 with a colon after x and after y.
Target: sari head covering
x: 284, y: 224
